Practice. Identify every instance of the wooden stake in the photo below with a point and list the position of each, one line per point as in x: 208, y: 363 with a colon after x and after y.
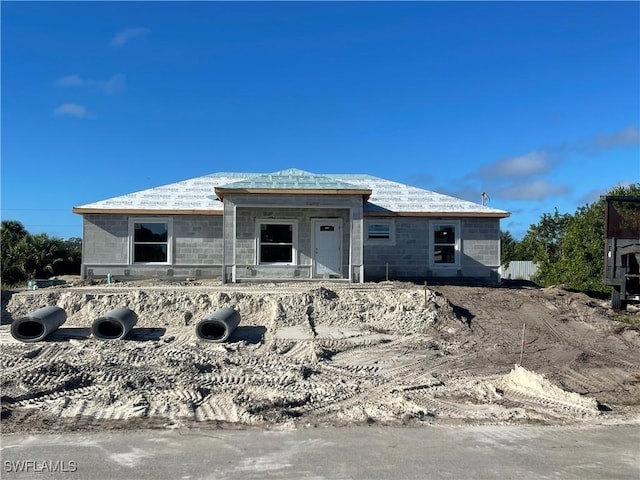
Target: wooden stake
x: 425, y: 294
x: 522, y: 345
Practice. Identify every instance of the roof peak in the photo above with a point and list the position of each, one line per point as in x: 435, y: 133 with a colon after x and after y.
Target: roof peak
x: 293, y: 172
x: 291, y: 179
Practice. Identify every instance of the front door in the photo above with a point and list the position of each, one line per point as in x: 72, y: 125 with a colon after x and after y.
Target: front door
x: 327, y: 248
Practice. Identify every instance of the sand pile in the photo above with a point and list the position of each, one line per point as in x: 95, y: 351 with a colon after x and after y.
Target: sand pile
x: 531, y: 387
x: 401, y: 310
x: 304, y: 354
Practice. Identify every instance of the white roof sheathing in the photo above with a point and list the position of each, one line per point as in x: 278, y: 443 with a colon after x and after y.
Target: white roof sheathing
x: 197, y: 195
x: 291, y: 179
x: 393, y: 197
x: 194, y: 194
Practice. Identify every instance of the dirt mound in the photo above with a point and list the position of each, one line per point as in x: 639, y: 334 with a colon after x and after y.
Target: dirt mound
x: 525, y: 384
x: 317, y: 354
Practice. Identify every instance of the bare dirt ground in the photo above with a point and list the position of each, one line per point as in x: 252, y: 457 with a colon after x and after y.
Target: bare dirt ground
x: 321, y: 354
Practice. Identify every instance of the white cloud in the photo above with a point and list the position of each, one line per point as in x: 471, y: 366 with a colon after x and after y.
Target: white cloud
x: 533, y: 163
x: 70, y: 81
x: 625, y: 137
x: 116, y: 84
x: 539, y: 162
x: 72, y: 110
x: 602, y: 143
x: 124, y: 36
x: 594, y: 195
x: 535, y: 190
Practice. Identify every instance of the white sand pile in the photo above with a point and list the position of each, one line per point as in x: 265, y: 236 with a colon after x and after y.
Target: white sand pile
x: 531, y: 387
x: 306, y: 354
x: 399, y: 309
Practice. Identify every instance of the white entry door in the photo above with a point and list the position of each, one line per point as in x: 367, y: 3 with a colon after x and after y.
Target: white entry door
x: 327, y: 247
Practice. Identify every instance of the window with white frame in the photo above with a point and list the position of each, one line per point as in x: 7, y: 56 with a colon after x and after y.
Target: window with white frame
x: 150, y: 240
x: 445, y: 243
x: 276, y: 241
x: 380, y: 231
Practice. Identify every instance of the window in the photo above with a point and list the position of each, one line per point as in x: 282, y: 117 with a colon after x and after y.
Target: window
x: 445, y: 243
x: 150, y: 241
x: 380, y: 232
x: 276, y: 242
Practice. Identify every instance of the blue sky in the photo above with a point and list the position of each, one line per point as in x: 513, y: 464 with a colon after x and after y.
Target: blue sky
x: 538, y: 104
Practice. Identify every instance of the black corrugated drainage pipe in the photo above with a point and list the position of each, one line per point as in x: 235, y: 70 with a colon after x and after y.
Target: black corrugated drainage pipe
x: 218, y: 326
x: 36, y: 325
x: 115, y: 324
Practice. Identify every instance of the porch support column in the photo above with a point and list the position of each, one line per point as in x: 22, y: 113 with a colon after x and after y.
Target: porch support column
x: 228, y: 240
x: 356, y: 243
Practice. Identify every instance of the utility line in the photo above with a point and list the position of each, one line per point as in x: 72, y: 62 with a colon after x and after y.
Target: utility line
x: 34, y: 209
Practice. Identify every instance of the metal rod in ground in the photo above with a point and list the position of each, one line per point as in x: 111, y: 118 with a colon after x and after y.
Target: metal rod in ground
x: 387, y: 269
x: 522, y: 345
x: 425, y: 294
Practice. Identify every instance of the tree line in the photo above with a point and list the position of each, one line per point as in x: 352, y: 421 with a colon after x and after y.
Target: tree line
x: 27, y: 256
x: 568, y: 248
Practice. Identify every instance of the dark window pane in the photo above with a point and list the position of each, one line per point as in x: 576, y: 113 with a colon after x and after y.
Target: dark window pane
x: 444, y: 234
x: 150, y: 253
x: 150, y: 232
x: 276, y: 233
x: 379, y: 231
x: 276, y: 254
x: 444, y: 254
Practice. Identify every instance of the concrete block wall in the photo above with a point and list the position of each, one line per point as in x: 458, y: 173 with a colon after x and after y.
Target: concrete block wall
x: 105, y: 239
x: 197, y: 240
x: 246, y: 230
x: 408, y: 256
x: 196, y: 244
x: 167, y: 272
x: 480, y: 243
x: 284, y: 272
x: 302, y: 208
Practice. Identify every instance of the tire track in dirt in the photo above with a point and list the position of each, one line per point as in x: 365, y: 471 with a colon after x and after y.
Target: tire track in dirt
x: 363, y: 353
x: 547, y: 406
x: 575, y: 381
